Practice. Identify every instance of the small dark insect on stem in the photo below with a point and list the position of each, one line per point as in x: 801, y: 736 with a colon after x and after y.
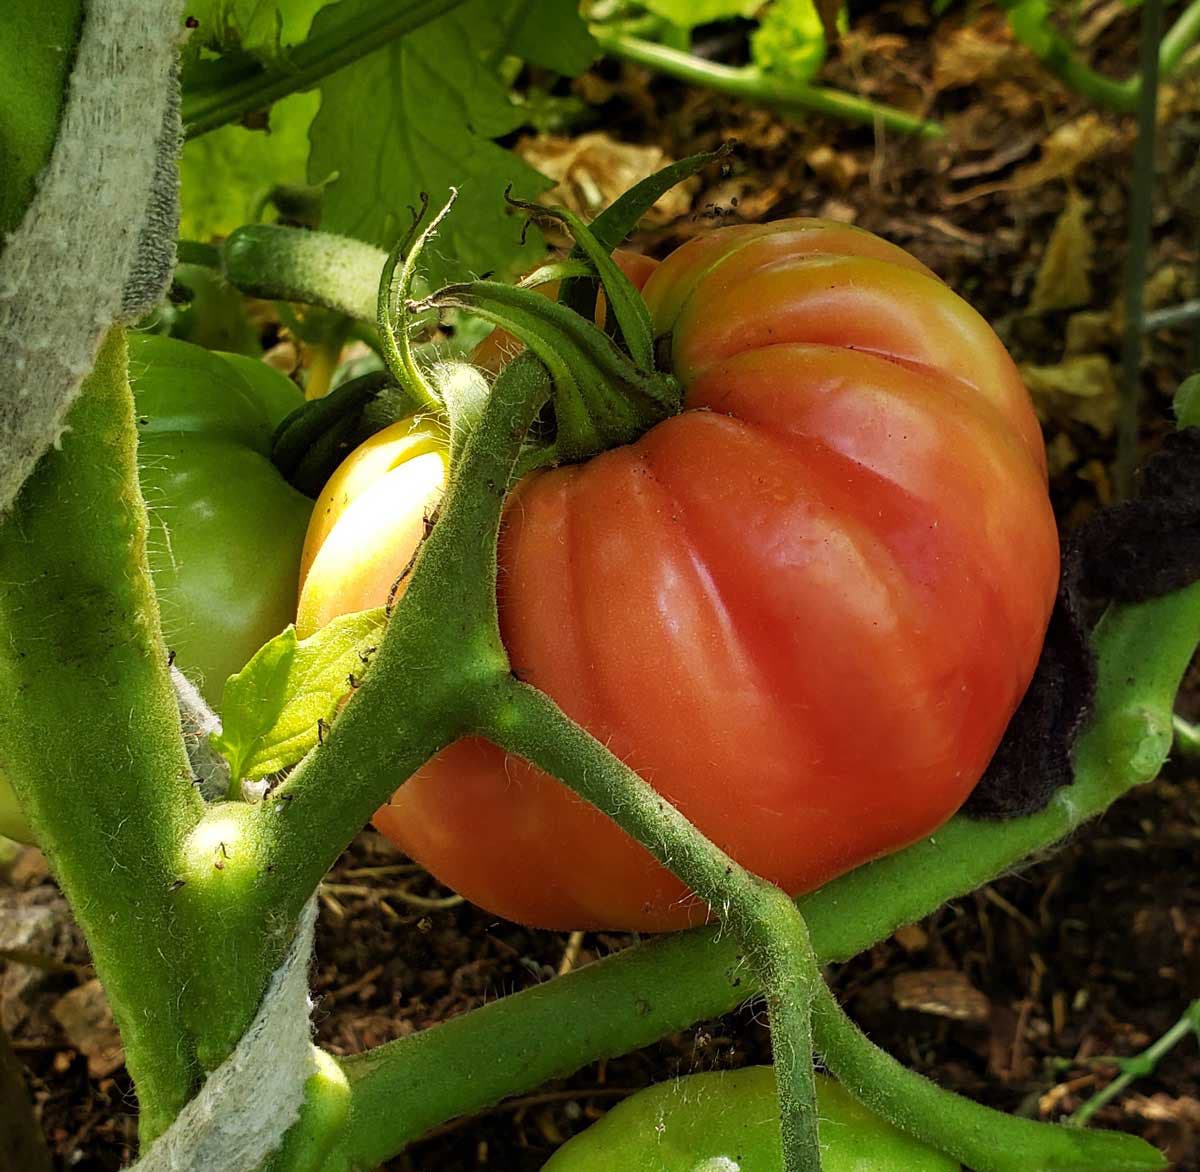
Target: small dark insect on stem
x: 352, y: 680
x: 365, y: 654
x: 170, y: 657
x: 322, y: 729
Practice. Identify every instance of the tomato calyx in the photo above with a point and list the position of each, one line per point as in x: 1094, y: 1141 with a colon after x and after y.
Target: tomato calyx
x: 606, y: 391
x: 314, y: 439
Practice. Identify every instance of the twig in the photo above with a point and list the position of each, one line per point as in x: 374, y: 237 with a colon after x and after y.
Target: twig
x: 1140, y: 1065
x: 1141, y: 200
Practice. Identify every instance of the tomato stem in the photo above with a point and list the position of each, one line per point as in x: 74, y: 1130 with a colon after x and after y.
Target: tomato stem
x: 984, y: 1139
x: 90, y: 735
x: 767, y: 923
x: 313, y: 268
x: 1140, y: 225
x: 751, y: 84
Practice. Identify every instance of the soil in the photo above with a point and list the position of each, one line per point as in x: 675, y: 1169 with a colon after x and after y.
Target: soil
x: 1017, y: 994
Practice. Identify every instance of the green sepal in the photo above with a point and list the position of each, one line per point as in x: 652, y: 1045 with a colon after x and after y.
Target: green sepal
x: 394, y: 309
x: 628, y: 318
x: 310, y: 443
x: 277, y: 707
x: 601, y: 398
x: 616, y: 222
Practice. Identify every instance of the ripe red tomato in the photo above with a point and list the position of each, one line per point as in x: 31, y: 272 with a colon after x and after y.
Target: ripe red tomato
x: 804, y: 609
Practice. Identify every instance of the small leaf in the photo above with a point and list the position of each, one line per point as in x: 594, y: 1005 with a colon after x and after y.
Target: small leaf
x: 273, y: 705
x: 792, y: 37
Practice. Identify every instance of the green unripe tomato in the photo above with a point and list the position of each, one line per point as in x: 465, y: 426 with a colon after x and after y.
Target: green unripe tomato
x: 729, y: 1122
x: 225, y: 529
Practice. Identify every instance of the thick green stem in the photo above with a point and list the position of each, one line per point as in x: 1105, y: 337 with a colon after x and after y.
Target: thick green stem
x: 254, y: 867
x: 767, y: 923
x: 248, y: 86
x: 755, y: 86
x: 983, y: 1139
x: 1140, y: 216
x: 630, y: 1000
x: 314, y: 268
x: 89, y: 728
x: 1186, y: 313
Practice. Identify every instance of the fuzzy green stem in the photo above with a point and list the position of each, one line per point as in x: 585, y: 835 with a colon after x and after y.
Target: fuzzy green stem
x: 314, y: 268
x: 273, y: 855
x: 89, y: 727
x: 1142, y: 1064
x: 755, y: 86
x: 1122, y: 97
x: 767, y: 923
x: 983, y: 1139
x: 245, y: 86
x: 1140, y: 216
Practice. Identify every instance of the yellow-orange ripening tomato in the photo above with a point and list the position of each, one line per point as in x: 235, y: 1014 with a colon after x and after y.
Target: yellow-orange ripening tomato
x: 804, y: 609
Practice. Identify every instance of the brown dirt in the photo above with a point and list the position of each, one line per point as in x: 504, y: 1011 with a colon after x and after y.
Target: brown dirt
x: 1093, y: 952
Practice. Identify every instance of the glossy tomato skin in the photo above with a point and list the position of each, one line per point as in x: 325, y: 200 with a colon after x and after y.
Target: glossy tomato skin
x: 804, y: 609
x: 696, y: 1122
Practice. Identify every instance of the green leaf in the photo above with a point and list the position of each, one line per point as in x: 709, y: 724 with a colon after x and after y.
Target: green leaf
x: 1030, y: 21
x: 420, y: 116
x: 261, y: 27
x: 225, y: 174
x: 549, y: 33
x: 689, y: 13
x: 790, y: 41
x: 272, y: 706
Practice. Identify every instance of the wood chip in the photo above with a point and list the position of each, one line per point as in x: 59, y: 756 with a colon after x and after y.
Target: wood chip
x: 941, y: 993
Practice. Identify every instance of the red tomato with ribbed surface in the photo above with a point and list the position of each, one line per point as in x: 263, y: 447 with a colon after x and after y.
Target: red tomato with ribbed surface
x: 804, y: 609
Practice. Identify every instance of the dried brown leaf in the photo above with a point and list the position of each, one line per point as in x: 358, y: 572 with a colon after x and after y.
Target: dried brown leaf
x: 941, y: 993
x: 88, y: 1023
x: 589, y: 172
x: 1082, y: 388
x: 1064, y: 151
x: 1064, y: 276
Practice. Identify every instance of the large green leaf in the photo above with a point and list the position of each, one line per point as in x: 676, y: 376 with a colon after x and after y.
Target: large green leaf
x: 420, y: 116
x: 261, y: 27
x: 225, y: 174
